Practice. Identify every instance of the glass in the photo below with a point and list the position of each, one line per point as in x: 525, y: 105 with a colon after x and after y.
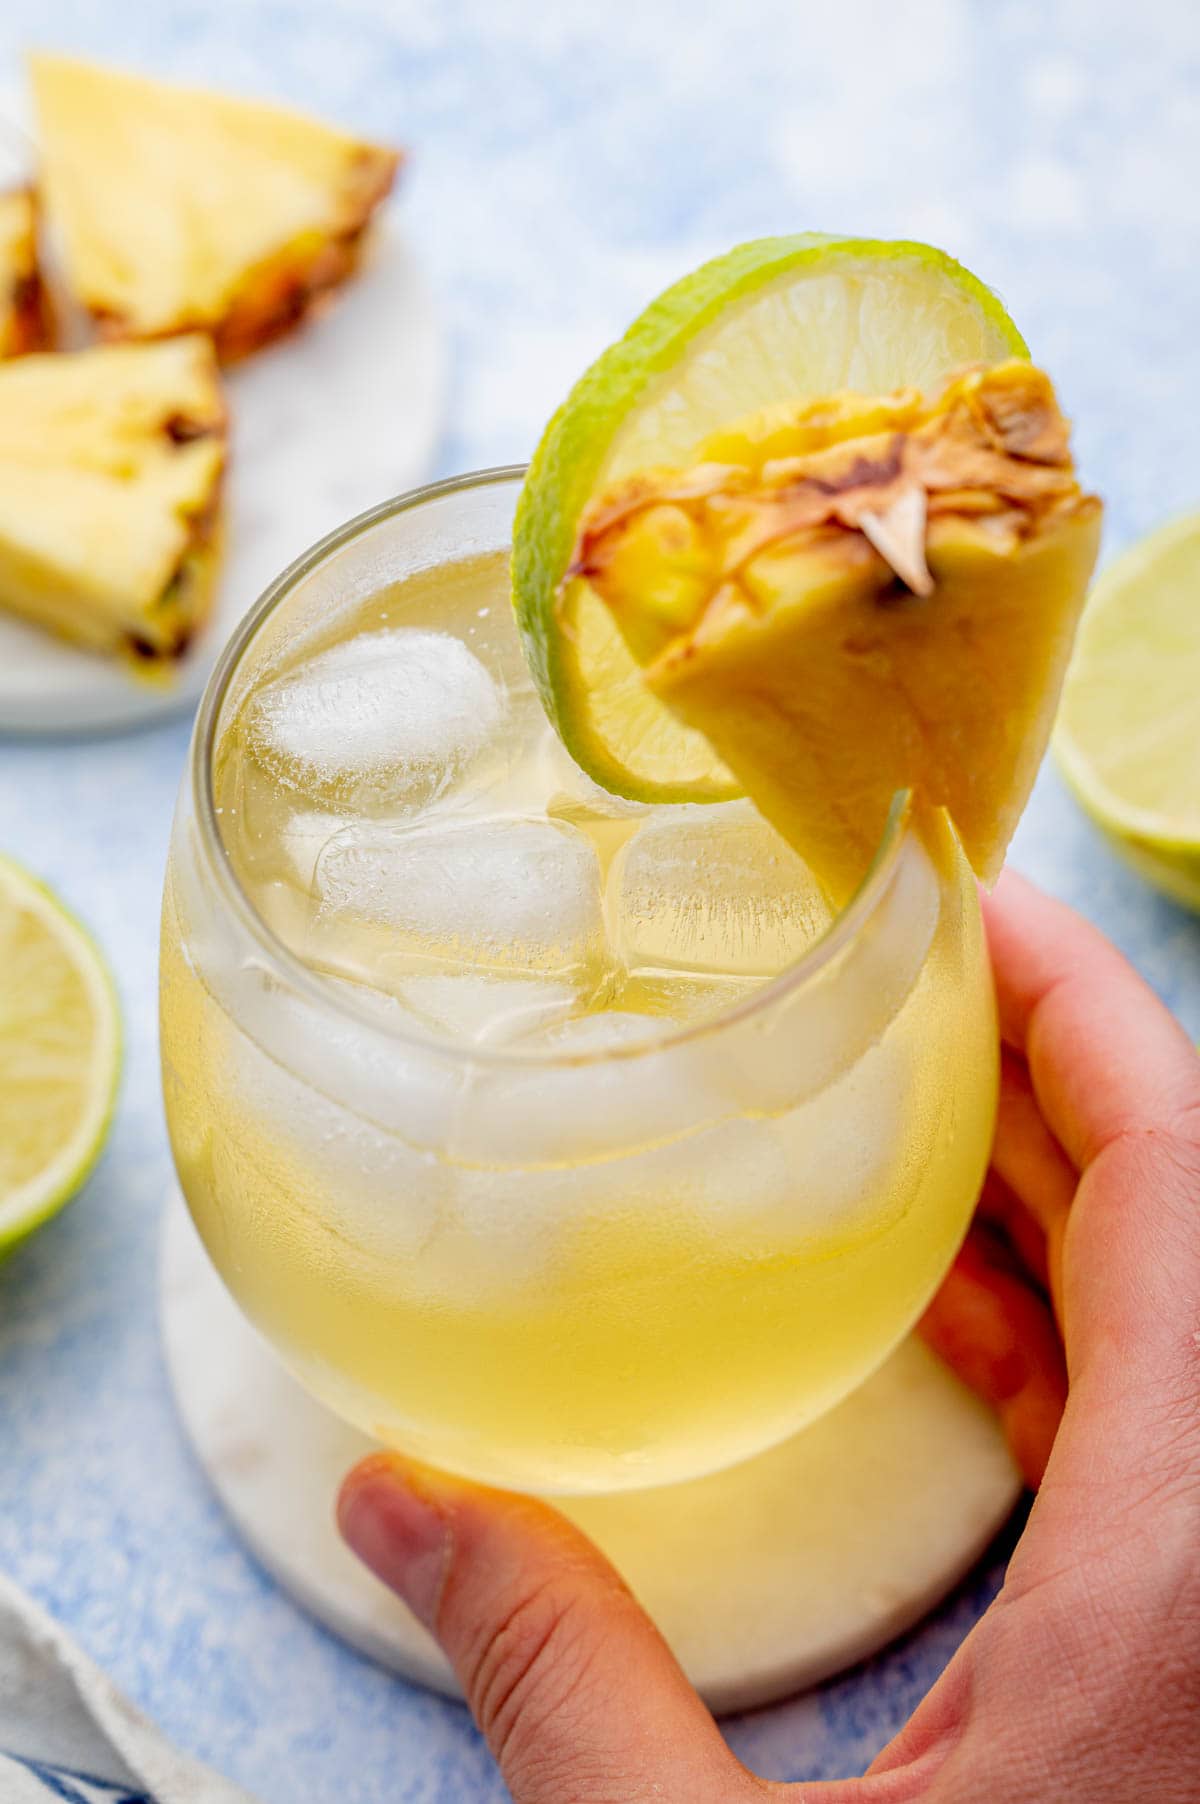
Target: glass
x: 572, y: 1264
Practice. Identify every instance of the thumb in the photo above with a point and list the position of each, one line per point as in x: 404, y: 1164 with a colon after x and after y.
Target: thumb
x: 1118, y: 1085
x: 578, y: 1695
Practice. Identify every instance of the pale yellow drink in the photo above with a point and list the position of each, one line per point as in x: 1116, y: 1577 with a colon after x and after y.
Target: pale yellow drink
x: 524, y: 1158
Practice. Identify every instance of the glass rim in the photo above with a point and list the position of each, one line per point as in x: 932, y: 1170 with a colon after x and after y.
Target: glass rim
x: 341, y: 1003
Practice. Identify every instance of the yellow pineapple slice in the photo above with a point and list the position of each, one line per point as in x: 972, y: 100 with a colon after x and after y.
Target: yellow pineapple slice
x: 180, y: 210
x: 24, y: 313
x: 860, y: 595
x: 110, y: 473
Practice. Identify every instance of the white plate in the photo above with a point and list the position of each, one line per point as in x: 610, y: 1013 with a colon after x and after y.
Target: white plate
x: 340, y: 415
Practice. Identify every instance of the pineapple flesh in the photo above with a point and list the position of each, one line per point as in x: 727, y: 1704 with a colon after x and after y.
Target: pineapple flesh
x: 860, y: 595
x: 182, y: 210
x: 24, y: 313
x: 110, y: 474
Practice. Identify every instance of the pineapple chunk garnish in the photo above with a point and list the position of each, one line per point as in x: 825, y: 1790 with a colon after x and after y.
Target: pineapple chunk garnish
x: 110, y: 474
x: 860, y: 595
x: 24, y: 314
x: 180, y: 209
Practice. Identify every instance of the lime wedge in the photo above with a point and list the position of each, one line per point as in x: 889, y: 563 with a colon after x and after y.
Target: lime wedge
x: 1128, y: 733
x: 772, y: 321
x: 60, y: 1054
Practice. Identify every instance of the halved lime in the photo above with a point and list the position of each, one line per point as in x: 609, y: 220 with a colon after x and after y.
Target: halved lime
x: 1128, y: 732
x: 772, y: 321
x: 60, y: 1053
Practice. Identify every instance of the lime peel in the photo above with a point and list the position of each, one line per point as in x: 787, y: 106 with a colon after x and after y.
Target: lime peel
x: 659, y: 759
x: 60, y: 1053
x: 1127, y: 738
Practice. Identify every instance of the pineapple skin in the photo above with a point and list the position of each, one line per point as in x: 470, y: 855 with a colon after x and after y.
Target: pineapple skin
x: 25, y: 318
x: 111, y: 471
x: 300, y: 258
x: 280, y: 292
x: 279, y: 295
x: 751, y: 591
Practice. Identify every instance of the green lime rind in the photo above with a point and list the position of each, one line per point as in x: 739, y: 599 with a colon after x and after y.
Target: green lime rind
x: 42, y: 1197
x: 1126, y: 740
x: 575, y: 445
x: 1176, y: 874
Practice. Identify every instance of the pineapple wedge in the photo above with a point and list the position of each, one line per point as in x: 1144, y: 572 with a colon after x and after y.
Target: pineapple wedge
x: 110, y: 472
x: 181, y: 210
x: 861, y: 595
x: 24, y: 314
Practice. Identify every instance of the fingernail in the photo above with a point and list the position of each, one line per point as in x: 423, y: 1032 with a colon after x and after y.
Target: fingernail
x: 398, y: 1533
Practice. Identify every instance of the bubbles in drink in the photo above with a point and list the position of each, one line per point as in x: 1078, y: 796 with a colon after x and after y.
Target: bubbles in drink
x: 712, y: 890
x: 382, y: 721
x: 474, y: 895
x: 407, y: 819
x: 486, y: 1175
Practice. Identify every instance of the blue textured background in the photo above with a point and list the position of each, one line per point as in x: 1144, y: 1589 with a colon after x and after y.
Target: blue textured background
x: 570, y: 160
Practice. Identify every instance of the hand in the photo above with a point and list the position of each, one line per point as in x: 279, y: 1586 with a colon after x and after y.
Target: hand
x: 1082, y: 1682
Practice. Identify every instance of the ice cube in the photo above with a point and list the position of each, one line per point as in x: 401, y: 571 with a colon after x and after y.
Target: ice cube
x: 684, y: 997
x: 597, y: 1087
x: 325, y: 1122
x: 503, y: 896
x: 571, y: 791
x: 276, y: 849
x: 302, y: 838
x: 541, y: 777
x: 486, y: 1010
x: 388, y: 719
x: 370, y: 1064
x: 552, y: 782
x: 606, y: 1031
x: 712, y: 889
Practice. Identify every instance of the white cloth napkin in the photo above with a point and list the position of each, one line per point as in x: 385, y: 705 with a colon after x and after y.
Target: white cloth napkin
x: 67, y: 1736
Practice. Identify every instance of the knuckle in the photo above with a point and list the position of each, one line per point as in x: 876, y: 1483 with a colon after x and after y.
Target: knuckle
x: 529, y: 1666
x: 1158, y: 1165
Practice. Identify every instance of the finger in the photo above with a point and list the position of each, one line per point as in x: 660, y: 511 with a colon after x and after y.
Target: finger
x: 1000, y: 1208
x: 1105, y: 1056
x: 998, y: 1335
x: 1119, y: 1086
x: 575, y: 1690
x: 1034, y: 1169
